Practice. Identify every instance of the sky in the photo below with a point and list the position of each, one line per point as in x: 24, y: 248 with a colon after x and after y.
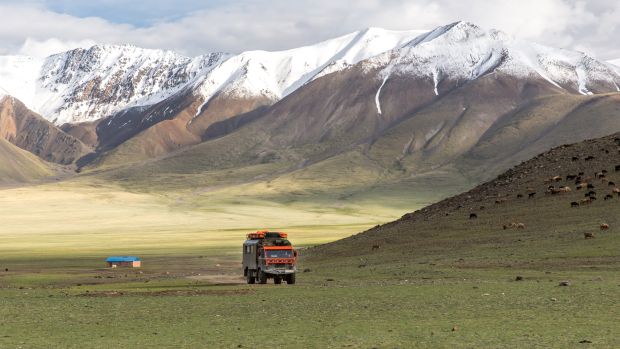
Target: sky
x: 194, y: 27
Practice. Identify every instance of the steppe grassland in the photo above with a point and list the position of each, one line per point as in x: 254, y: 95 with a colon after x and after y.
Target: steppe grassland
x: 84, y: 217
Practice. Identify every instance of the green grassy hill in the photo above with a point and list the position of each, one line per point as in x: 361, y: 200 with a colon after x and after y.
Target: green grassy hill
x: 18, y: 166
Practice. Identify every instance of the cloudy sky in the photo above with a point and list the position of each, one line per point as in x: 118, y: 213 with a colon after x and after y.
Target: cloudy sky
x: 192, y: 27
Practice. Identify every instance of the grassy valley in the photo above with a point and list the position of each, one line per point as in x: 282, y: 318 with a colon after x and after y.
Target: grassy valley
x: 434, y: 278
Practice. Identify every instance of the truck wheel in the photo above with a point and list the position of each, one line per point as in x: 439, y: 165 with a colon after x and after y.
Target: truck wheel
x: 262, y: 277
x: 250, y: 276
x: 290, y: 279
x: 277, y: 280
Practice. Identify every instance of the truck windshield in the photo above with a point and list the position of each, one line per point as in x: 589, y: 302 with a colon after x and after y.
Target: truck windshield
x: 279, y: 254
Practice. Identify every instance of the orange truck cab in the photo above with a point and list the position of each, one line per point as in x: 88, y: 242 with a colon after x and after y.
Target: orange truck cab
x: 269, y: 255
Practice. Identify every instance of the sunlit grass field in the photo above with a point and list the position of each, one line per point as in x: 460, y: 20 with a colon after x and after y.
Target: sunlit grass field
x: 89, y: 218
x: 446, y: 283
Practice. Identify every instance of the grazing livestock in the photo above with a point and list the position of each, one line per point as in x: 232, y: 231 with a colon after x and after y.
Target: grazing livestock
x: 500, y: 201
x: 590, y: 158
x: 575, y: 158
x: 590, y: 186
x: 553, y: 179
x: 564, y: 189
x: 609, y: 196
x: 375, y: 247
x: 590, y: 193
x: 611, y: 184
x: 473, y: 216
x: 617, y: 168
x: 604, y: 171
x: 514, y: 225
x: 574, y: 204
x: 570, y: 177
x: 531, y: 195
x: 588, y: 236
x: 604, y: 226
x: 586, y: 201
x: 579, y: 186
x: 581, y: 173
x: 519, y: 196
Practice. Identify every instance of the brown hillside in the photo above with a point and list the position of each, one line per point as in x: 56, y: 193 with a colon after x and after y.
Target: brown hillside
x: 487, y: 219
x: 31, y: 132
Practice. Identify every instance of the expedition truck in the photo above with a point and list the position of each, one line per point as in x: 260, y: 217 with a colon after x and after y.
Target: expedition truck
x: 269, y: 255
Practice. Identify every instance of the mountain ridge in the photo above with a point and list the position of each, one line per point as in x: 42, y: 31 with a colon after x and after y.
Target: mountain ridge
x: 70, y: 92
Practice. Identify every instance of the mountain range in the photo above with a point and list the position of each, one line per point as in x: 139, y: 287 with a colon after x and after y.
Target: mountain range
x: 459, y: 101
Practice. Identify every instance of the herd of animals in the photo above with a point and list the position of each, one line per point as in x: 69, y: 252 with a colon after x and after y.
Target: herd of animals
x: 581, y: 181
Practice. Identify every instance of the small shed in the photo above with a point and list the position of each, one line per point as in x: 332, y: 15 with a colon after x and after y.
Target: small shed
x: 123, y: 261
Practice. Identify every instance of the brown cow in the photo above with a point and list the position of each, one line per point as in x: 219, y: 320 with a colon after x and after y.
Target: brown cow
x: 588, y: 236
x: 604, y: 226
x: 520, y: 226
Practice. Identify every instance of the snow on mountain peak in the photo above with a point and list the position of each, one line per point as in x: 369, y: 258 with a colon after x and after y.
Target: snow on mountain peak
x: 90, y: 84
x: 277, y: 74
x: 465, y: 51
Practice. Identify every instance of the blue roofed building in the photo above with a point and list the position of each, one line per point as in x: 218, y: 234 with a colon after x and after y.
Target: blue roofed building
x: 123, y: 261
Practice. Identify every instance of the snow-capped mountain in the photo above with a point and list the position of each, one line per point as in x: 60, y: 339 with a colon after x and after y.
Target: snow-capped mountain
x: 90, y: 84
x: 463, y: 52
x: 277, y: 74
x: 85, y: 85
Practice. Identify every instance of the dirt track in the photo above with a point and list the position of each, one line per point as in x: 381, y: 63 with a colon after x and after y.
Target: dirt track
x: 226, y: 279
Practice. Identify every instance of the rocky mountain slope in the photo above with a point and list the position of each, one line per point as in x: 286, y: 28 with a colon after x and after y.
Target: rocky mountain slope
x: 398, y: 126
x: 31, y: 132
x: 458, y: 99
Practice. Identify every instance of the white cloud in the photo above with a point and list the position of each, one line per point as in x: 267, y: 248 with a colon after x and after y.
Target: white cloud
x: 44, y: 48
x: 279, y: 24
